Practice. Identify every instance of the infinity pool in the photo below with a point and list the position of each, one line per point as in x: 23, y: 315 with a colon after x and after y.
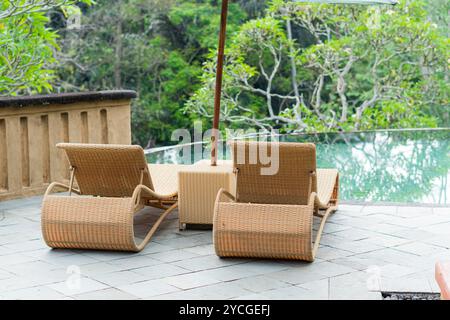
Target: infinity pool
x: 385, y: 166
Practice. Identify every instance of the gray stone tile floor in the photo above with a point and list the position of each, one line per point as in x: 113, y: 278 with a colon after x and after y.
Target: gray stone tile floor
x: 365, y: 249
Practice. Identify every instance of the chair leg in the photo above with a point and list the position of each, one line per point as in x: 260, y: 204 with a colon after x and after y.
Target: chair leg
x: 325, y: 216
x: 152, y: 231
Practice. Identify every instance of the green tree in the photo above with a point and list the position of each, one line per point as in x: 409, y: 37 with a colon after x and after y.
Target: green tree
x: 292, y: 66
x: 439, y: 12
x: 27, y: 45
x: 154, y: 47
x: 359, y: 68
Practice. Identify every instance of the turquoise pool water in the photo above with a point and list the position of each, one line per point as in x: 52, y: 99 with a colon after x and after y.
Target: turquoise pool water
x: 389, y: 166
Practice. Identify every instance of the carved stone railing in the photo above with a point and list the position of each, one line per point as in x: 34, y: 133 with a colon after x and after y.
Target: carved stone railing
x: 31, y: 126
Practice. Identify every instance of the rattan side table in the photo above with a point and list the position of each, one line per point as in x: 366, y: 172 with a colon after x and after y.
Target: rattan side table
x: 198, y: 185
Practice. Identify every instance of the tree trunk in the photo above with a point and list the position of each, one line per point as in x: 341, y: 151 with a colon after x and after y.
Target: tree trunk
x: 293, y: 65
x: 118, y: 56
x: 341, y: 87
x: 294, y: 73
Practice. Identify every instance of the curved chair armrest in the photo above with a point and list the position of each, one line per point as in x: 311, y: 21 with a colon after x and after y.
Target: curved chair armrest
x: 319, y: 205
x: 224, y: 195
x: 313, y: 198
x: 144, y: 191
x: 53, y: 185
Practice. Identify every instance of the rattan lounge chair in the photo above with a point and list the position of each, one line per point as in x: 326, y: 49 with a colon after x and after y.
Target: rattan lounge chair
x: 271, y: 216
x: 114, y: 182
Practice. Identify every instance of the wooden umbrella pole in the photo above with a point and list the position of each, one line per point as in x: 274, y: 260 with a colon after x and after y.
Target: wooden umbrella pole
x: 219, y: 77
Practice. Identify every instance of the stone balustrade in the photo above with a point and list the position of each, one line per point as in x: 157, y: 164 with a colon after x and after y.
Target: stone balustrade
x: 31, y: 126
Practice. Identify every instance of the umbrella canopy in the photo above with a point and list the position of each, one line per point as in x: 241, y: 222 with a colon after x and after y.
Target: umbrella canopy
x: 220, y: 56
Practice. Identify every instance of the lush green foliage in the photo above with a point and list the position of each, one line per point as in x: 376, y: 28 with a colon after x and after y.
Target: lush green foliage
x: 339, y: 67
x: 27, y: 45
x: 154, y: 47
x: 359, y: 68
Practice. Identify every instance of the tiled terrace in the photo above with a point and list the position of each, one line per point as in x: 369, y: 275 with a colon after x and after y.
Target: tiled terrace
x: 364, y: 248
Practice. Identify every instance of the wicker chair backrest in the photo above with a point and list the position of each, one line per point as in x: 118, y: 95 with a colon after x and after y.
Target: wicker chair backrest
x: 292, y: 183
x: 107, y: 170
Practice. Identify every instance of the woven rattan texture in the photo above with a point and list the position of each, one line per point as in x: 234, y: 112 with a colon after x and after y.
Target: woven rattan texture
x: 107, y: 170
x: 271, y: 216
x: 198, y: 187
x: 115, y: 183
x: 291, y: 184
x: 263, y: 230
x: 88, y: 223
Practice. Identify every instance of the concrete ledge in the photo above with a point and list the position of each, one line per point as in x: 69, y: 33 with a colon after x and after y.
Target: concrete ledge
x: 31, y: 126
x: 66, y: 98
